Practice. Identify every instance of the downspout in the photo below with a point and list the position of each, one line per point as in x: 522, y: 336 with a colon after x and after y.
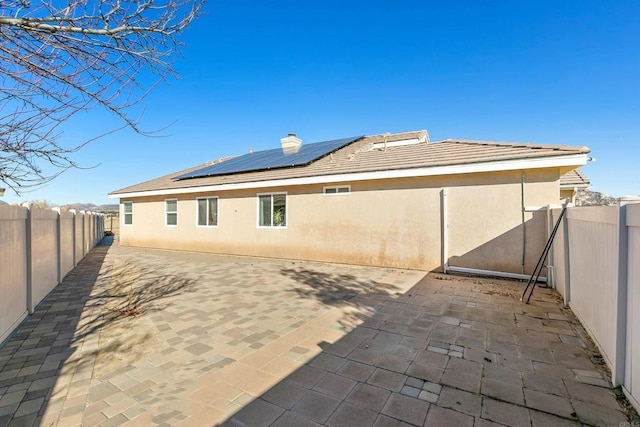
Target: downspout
x: 444, y: 231
x: 524, y: 231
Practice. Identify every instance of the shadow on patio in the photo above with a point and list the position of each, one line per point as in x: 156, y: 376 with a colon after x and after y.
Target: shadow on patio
x: 359, y: 299
x: 450, y: 351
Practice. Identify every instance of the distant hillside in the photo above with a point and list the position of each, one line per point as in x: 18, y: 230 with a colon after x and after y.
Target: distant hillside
x: 92, y: 207
x: 594, y: 198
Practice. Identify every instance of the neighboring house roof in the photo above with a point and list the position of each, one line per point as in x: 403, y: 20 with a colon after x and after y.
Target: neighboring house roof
x: 574, y: 179
x: 4, y: 203
x: 367, y: 158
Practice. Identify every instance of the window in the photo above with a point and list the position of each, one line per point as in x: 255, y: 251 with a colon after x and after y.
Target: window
x: 342, y: 189
x: 171, y: 211
x: 272, y: 210
x: 208, y: 212
x: 127, y: 208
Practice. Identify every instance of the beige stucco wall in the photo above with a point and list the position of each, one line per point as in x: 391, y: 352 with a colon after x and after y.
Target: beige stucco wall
x: 394, y: 223
x: 568, y: 195
x: 485, y: 219
x: 365, y: 227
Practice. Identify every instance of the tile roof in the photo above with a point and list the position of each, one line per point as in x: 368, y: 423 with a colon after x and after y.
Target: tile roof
x: 360, y: 156
x: 574, y: 178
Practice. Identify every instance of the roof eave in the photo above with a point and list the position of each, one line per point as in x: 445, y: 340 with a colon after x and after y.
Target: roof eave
x: 559, y: 148
x: 495, y: 166
x: 572, y: 186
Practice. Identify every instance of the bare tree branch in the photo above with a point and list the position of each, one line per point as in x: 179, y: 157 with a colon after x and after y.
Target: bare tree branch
x: 60, y: 57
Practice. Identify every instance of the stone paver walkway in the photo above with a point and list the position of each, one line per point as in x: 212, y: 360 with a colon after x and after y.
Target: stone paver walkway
x: 148, y: 337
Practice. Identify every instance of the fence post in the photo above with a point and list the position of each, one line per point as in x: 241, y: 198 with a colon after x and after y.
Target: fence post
x: 59, y: 245
x: 73, y: 236
x: 29, y: 243
x: 630, y: 384
x: 621, y: 320
x: 84, y: 233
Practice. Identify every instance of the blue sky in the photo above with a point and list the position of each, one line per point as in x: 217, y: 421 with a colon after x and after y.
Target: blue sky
x: 559, y: 72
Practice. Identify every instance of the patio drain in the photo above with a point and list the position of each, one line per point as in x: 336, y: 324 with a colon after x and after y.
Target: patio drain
x: 423, y: 390
x: 444, y: 348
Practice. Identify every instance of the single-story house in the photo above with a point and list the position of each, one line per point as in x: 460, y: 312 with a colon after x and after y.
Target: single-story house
x: 571, y: 182
x: 396, y: 200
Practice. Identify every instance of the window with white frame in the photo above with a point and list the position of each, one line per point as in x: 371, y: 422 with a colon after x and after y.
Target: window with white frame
x: 208, y: 212
x: 127, y: 210
x: 272, y: 210
x: 171, y: 211
x: 340, y: 189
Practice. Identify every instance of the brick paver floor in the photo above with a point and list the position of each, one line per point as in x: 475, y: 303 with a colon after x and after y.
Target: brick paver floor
x: 147, y: 337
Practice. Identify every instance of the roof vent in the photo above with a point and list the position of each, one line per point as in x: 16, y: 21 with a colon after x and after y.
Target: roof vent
x: 291, y: 144
x: 399, y: 139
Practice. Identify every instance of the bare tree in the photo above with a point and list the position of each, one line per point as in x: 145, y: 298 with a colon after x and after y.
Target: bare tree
x: 60, y: 57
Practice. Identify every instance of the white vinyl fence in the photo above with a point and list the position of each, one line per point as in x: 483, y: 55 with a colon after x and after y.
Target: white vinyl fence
x: 38, y: 247
x: 596, y: 268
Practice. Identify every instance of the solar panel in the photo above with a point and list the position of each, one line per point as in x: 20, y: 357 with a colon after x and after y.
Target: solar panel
x: 271, y: 159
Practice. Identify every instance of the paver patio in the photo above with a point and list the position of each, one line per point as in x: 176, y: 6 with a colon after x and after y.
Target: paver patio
x: 148, y: 337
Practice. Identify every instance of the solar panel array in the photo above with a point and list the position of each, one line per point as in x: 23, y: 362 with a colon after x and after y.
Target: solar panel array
x: 272, y: 159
